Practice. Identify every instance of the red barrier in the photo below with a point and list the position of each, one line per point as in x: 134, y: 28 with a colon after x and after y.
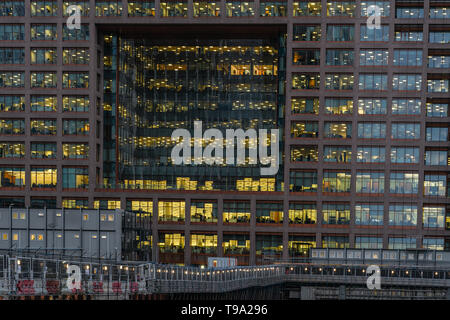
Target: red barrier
x: 97, y: 287
x: 25, y: 287
x: 117, y: 287
x: 52, y: 286
x: 134, y: 287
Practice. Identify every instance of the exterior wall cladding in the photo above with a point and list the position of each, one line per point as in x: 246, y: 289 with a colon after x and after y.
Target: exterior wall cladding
x: 398, y: 132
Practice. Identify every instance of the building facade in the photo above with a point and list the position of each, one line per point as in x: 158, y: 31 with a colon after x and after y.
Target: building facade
x: 87, y: 114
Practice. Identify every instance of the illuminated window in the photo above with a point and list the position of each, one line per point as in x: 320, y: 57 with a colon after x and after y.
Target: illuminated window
x: 12, y: 149
x: 304, y: 129
x: 402, y: 243
x: 141, y: 8
x: 209, y: 8
x: 12, y: 103
x: 173, y: 8
x: 76, y: 34
x: 204, y: 243
x: 408, y: 32
x: 43, y: 32
x: 435, y: 185
x: 306, y: 57
x: 269, y: 245
x: 305, y: 81
x: 171, y: 243
x: 339, y: 154
x: 43, y: 103
x: 439, y: 37
x: 76, y: 80
x: 440, y: 84
x: 302, y: 181
x: 305, y: 105
x: 336, y: 181
x: 405, y: 131
x: 75, y: 150
x: 340, y: 32
x: 369, y: 214
x: 339, y: 81
x: 437, y: 133
x: 439, y: 12
x: 307, y: 8
x: 76, y: 127
x: 75, y: 178
x: 43, y: 127
x: 404, y: 183
x: 43, y: 150
x: 43, y: 80
x: 371, y: 154
x: 75, y: 103
x: 372, y: 81
x: 203, y: 211
x: 83, y: 5
x: 12, y: 79
x: 43, y: 177
x: 171, y: 211
x: 108, y: 8
x: 304, y: 154
x: 370, y: 182
x: 381, y: 34
x: 336, y: 213
x: 299, y: 245
x: 341, y: 8
x: 337, y: 130
x: 306, y: 32
x: 371, y: 130
x: 236, y: 244
x: 12, y: 56
x: 269, y: 212
x: 15, y: 8
x: 302, y: 213
x: 404, y: 155
x: 269, y: 8
x: 433, y: 217
x: 433, y: 243
x: 106, y: 204
x: 240, y: 8
x: 12, y: 126
x: 368, y: 242
x: 236, y: 212
x: 75, y: 203
x: 409, y: 12
x: 436, y: 158
x: 75, y: 56
x: 44, y: 8
x: 12, y: 177
x: 406, y: 106
x: 373, y: 57
x: 402, y: 215
x: 439, y: 110
x: 339, y: 242
x: 372, y: 106
x: 339, y: 57
x: 407, y: 57
x: 439, y: 61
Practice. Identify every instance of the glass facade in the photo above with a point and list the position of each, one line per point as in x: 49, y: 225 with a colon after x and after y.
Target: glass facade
x: 239, y: 90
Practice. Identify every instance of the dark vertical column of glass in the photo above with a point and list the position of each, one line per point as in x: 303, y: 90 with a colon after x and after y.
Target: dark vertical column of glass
x: 109, y: 109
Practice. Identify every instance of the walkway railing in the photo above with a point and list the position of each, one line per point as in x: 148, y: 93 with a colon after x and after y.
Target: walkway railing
x: 25, y: 276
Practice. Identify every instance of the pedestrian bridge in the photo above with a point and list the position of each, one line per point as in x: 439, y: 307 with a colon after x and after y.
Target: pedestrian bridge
x: 41, y: 276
